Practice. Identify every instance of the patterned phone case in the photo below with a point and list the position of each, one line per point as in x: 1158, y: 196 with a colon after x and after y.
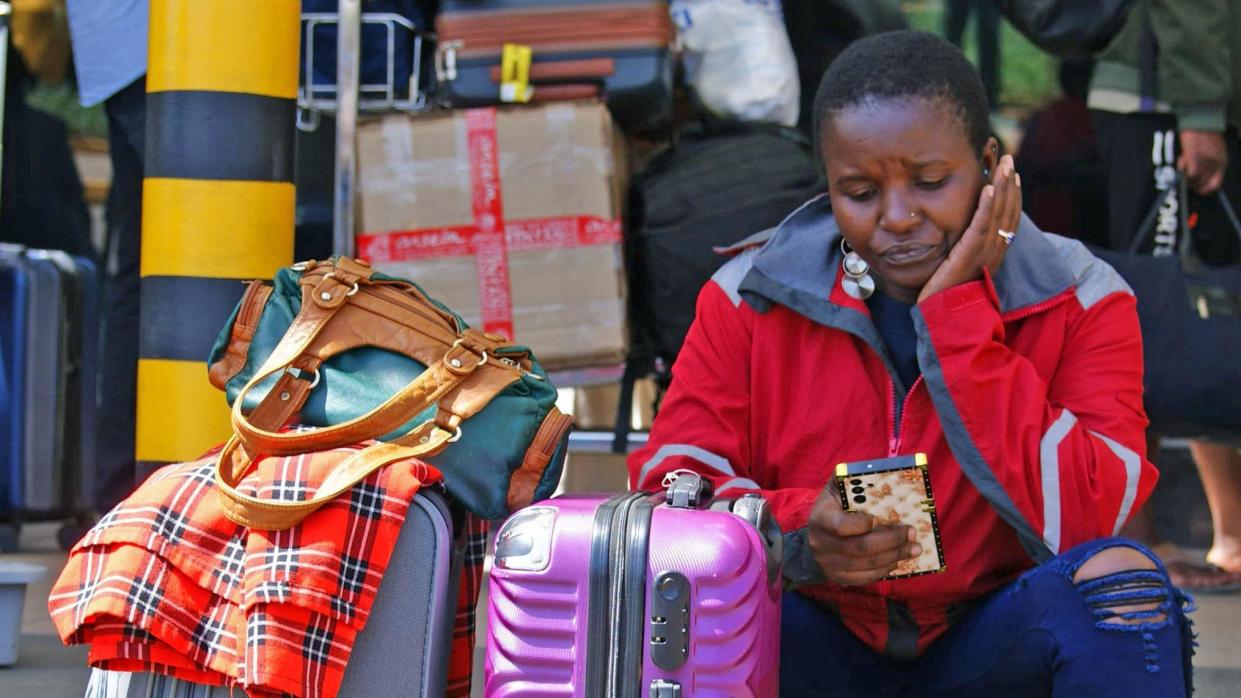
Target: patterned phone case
x: 896, y: 491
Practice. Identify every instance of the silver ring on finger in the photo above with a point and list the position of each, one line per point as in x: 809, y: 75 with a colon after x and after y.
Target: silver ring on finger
x: 1007, y: 235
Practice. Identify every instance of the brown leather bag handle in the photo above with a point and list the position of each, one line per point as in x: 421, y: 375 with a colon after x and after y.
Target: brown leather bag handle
x: 323, y: 299
x: 426, y: 390
x: 275, y: 515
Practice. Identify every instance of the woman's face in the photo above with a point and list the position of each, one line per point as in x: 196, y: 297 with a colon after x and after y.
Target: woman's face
x: 904, y: 184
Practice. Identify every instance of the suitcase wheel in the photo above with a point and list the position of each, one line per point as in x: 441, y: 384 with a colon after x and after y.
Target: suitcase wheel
x: 9, y: 535
x: 69, y: 534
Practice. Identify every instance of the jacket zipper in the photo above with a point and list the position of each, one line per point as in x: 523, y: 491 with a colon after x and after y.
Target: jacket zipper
x: 898, y: 424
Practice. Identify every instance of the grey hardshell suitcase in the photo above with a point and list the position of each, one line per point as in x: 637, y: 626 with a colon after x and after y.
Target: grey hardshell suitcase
x: 402, y: 651
x: 43, y: 467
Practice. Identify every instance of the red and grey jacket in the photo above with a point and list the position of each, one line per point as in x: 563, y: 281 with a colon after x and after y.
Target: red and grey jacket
x: 1029, y: 408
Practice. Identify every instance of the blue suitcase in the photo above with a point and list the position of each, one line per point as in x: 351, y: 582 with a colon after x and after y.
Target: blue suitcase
x: 13, y: 284
x: 50, y: 366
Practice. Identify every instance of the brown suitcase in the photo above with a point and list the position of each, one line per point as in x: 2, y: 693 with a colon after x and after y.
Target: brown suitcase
x: 618, y: 49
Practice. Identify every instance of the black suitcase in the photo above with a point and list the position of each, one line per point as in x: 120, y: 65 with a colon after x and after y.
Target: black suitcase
x: 617, y: 49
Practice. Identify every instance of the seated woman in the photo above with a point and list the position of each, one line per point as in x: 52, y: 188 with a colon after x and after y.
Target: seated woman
x: 913, y: 310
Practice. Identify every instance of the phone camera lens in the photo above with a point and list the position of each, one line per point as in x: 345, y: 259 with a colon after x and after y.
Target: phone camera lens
x: 855, y: 481
x: 860, y: 499
x: 859, y: 490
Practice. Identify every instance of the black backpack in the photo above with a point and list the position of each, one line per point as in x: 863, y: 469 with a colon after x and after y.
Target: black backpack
x: 1068, y: 27
x: 712, y: 188
x: 716, y: 185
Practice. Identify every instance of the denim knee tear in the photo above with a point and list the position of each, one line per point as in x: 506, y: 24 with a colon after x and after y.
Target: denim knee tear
x: 1109, y: 597
x: 1112, y: 599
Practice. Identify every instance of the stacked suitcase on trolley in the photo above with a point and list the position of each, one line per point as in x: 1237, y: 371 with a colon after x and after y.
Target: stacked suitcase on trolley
x: 49, y: 310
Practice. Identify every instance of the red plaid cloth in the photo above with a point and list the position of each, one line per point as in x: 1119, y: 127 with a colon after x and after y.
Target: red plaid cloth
x: 461, y: 662
x: 166, y: 583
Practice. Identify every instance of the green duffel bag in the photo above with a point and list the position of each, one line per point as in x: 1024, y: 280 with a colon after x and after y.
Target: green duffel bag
x: 361, y: 355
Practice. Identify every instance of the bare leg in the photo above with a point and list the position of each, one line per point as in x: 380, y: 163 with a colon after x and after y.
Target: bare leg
x: 1221, y: 463
x: 1219, y: 466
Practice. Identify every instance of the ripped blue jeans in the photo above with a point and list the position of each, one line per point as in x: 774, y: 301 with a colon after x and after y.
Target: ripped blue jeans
x: 1041, y: 636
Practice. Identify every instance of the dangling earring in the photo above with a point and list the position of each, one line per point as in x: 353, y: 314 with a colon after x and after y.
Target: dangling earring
x: 857, y: 282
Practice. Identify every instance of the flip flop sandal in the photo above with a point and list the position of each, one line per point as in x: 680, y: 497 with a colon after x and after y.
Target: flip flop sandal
x: 1221, y: 581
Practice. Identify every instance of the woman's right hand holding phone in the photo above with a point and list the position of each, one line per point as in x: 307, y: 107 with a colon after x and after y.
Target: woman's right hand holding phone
x: 849, y: 548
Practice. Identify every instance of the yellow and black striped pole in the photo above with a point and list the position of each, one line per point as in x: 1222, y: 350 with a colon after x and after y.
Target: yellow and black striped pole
x: 217, y: 200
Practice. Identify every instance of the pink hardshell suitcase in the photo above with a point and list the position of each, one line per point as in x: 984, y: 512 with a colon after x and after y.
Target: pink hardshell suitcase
x: 636, y: 595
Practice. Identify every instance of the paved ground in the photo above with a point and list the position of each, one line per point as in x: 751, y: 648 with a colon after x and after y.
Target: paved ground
x: 47, y: 669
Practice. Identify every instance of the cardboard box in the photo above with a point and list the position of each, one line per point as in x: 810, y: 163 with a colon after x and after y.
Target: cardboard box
x: 594, y: 407
x: 511, y: 217
x: 594, y: 472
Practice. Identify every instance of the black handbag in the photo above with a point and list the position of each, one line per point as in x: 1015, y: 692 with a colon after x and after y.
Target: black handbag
x: 1067, y: 27
x: 1191, y: 329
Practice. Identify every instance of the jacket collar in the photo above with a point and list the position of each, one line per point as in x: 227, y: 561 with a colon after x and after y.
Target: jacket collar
x: 799, y: 267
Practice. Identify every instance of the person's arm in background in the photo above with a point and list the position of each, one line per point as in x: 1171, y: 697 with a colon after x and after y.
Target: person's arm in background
x: 704, y: 426
x: 1194, y: 77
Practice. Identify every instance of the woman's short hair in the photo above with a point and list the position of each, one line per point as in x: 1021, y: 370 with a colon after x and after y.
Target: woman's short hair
x: 904, y: 63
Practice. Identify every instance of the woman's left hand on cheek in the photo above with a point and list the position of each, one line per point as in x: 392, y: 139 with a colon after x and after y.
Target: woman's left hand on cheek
x: 982, y: 245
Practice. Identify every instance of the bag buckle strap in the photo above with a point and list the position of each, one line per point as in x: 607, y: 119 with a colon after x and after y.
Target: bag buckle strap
x: 425, y: 432
x: 298, y: 373
x: 463, y: 357
x: 448, y: 421
x: 287, y: 395
x: 327, y: 293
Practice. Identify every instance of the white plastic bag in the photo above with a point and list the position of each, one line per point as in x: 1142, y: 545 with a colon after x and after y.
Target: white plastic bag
x: 738, y: 58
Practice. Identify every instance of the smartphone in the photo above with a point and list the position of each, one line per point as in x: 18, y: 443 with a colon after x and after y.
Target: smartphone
x: 896, y: 491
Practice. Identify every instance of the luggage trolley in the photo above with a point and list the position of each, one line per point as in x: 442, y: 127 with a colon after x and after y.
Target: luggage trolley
x: 349, y: 97
x: 404, y: 650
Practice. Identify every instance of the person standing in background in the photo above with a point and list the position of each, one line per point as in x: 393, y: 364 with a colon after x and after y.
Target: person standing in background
x: 109, y: 39
x: 1166, y: 96
x: 1059, y: 157
x: 820, y: 29
x: 987, y: 20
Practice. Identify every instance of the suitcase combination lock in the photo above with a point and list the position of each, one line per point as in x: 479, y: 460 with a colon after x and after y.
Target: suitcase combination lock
x: 670, y: 606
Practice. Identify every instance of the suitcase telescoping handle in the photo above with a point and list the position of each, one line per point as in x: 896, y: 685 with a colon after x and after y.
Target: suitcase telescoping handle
x: 689, y: 490
x: 755, y: 510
